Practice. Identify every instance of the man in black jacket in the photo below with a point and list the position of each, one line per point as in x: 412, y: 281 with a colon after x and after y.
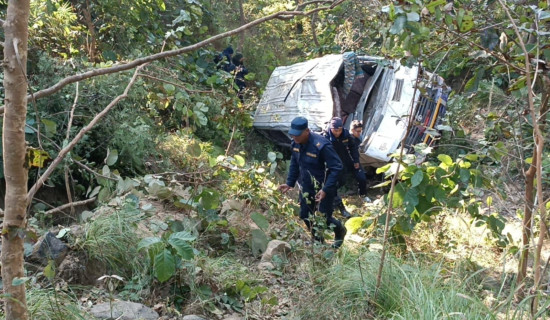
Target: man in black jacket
x: 348, y: 151
x: 316, y: 166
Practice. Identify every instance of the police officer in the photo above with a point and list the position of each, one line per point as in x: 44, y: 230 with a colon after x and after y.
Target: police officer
x: 348, y: 151
x: 316, y: 166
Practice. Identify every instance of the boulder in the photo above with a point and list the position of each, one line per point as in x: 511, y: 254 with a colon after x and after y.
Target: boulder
x: 123, y: 310
x: 48, y: 247
x: 275, y: 247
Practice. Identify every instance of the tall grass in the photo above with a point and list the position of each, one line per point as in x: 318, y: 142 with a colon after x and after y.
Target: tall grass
x: 48, y: 304
x: 410, y: 289
x: 111, y: 239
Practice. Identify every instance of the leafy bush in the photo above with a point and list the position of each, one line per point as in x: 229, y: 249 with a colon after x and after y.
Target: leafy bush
x: 167, y: 252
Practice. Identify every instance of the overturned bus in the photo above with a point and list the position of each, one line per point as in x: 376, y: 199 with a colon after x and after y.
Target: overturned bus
x: 379, y: 92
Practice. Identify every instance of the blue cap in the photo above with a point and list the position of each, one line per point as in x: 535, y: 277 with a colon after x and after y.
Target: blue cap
x: 336, y: 123
x: 297, y: 126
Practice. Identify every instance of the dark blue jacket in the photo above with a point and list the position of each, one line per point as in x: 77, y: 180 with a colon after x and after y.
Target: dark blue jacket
x: 318, y: 159
x: 344, y: 145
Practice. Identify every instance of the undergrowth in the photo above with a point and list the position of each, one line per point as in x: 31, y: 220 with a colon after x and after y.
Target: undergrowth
x: 111, y: 238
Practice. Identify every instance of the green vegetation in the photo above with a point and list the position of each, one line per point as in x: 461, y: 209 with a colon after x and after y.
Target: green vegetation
x: 174, y: 192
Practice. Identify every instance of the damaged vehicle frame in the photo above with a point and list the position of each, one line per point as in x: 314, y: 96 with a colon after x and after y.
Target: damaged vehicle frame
x: 381, y: 93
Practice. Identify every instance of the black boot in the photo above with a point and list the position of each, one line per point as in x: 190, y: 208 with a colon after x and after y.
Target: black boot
x: 343, y: 211
x: 339, y: 235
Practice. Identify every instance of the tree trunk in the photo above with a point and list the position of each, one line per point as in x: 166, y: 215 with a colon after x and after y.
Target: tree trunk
x: 529, y: 190
x: 91, y: 30
x: 15, y: 170
x: 527, y: 217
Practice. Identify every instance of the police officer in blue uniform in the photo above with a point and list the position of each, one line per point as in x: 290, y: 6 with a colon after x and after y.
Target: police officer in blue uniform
x: 348, y: 151
x: 316, y: 166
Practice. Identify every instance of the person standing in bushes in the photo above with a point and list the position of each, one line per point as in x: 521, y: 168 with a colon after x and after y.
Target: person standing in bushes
x: 240, y: 71
x: 224, y: 60
x: 348, y: 151
x: 316, y: 166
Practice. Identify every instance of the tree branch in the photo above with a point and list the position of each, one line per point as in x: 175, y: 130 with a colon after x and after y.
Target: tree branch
x: 61, y: 155
x: 67, y: 137
x: 166, y: 54
x: 70, y: 204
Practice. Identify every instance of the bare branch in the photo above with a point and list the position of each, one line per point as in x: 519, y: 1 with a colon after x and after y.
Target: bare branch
x: 301, y: 6
x: 67, y: 136
x: 138, y: 62
x: 70, y: 204
x: 40, y: 182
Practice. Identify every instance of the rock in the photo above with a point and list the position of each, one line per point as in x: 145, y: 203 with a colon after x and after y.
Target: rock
x: 77, y: 269
x: 193, y: 317
x: 48, y: 247
x: 124, y: 310
x: 275, y: 247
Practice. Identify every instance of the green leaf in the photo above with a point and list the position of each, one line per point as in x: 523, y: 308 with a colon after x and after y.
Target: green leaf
x: 50, y: 126
x: 473, y: 84
x: 413, y: 16
x: 183, y: 248
x: 239, y: 160
x: 354, y: 224
x: 489, y: 201
x: 411, y: 197
x: 464, y: 175
x: 210, y: 199
x: 260, y: 221
x: 170, y: 88
x: 148, y: 242
x: 194, y: 149
x: 467, y: 23
x: 258, y: 242
x: 417, y: 178
x: 424, y: 205
x: 165, y: 265
x: 399, y: 195
x: 49, y: 270
x: 543, y: 15
x: 62, y: 233
x: 447, y: 160
x: 19, y: 281
x: 440, y: 195
x: 384, y: 168
x: 495, y: 224
x: 431, y: 6
x: 183, y: 235
x: 398, y: 25
x: 272, y: 156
